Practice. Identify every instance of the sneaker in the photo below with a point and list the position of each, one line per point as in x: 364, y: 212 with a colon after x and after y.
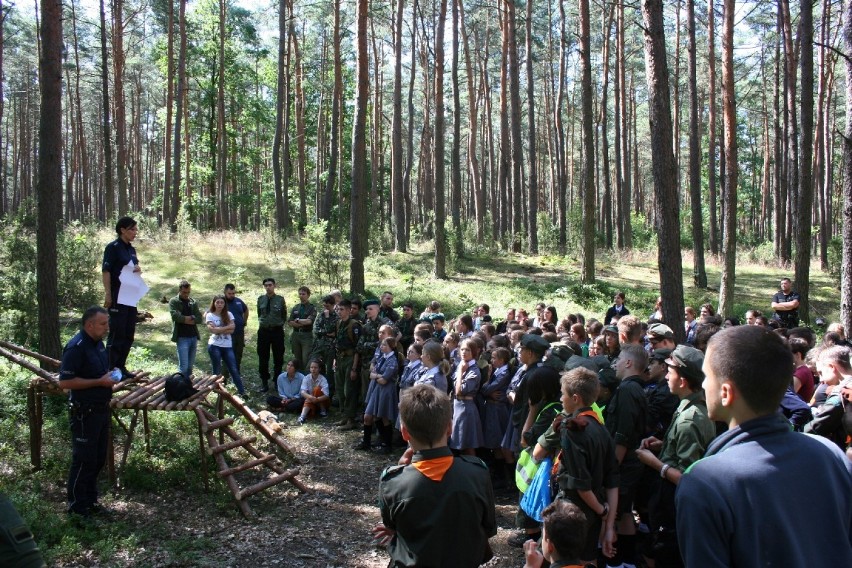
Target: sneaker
x: 261, y: 389
x: 323, y: 413
x: 301, y: 420
x: 520, y: 538
x: 361, y: 447
x: 348, y: 425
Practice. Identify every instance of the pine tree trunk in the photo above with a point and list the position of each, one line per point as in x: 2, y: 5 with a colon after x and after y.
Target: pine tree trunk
x: 515, y: 120
x: 559, y: 131
x: 179, y: 114
x: 712, y: 199
x: 531, y: 141
x: 625, y: 138
x: 477, y: 185
x: 846, y: 213
x: 664, y: 166
x: 221, y: 137
x: 358, y: 222
x: 699, y: 272
x: 49, y: 188
x: 409, y: 164
x: 805, y: 194
x: 588, y: 191
x: 336, y: 120
x: 399, y: 223
x: 109, y: 190
x: 120, y: 112
x: 455, y: 151
x: 729, y: 117
x: 438, y: 158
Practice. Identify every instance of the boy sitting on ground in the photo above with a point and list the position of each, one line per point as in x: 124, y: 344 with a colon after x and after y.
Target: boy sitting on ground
x: 439, y: 509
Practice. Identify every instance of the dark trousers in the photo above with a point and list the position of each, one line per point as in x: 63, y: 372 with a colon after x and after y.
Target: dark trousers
x: 122, y: 330
x: 270, y: 338
x: 89, y: 441
x: 238, y: 339
x: 277, y: 403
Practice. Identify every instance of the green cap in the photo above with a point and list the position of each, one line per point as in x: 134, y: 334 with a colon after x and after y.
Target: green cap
x: 688, y: 361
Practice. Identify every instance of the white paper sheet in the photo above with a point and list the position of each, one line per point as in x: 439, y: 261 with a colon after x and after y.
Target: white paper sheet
x: 133, y: 288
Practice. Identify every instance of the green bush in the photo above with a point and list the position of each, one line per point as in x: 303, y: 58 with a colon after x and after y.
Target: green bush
x: 326, y: 259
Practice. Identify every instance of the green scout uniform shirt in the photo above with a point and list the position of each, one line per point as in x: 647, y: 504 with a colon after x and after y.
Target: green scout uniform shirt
x: 689, y: 434
x: 176, y: 312
x: 271, y: 310
x: 303, y: 311
x: 348, y: 334
x: 406, y: 329
x: 438, y: 523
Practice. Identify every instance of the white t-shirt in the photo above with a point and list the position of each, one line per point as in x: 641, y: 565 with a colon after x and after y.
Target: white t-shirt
x: 219, y: 339
x: 308, y: 384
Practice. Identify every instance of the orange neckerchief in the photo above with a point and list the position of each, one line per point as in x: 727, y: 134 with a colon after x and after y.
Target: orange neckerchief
x: 435, y: 468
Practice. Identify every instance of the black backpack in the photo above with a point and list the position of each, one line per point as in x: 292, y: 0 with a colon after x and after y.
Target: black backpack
x: 179, y: 387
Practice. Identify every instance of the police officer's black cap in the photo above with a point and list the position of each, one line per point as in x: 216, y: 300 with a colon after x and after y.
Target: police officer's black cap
x: 535, y: 343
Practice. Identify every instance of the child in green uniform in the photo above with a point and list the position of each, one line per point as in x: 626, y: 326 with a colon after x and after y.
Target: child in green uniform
x: 439, y: 509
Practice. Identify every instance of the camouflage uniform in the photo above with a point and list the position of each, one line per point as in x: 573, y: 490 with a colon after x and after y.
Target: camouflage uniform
x: 346, y: 340
x: 325, y: 332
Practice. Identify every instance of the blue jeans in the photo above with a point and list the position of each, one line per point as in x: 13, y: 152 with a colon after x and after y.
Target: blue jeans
x: 216, y: 355
x: 186, y: 347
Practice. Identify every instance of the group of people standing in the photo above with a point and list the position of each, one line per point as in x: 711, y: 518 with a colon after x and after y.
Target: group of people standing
x: 674, y: 435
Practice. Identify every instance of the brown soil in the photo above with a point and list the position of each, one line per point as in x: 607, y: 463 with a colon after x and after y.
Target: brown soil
x: 329, y: 527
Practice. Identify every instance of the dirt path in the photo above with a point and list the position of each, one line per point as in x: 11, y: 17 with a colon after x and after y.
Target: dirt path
x: 328, y: 528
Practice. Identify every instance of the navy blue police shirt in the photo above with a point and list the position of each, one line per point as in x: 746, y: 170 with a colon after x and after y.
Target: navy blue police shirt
x: 116, y: 256
x: 86, y: 358
x: 237, y: 308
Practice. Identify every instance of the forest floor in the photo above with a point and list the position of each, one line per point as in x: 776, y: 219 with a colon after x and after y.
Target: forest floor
x: 184, y: 526
x: 162, y: 514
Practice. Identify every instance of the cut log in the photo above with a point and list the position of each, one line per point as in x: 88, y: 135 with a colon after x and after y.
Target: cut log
x: 238, y: 443
x: 247, y: 465
x: 266, y: 483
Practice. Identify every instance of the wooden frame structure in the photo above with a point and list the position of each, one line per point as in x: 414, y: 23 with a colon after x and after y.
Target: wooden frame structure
x: 142, y: 394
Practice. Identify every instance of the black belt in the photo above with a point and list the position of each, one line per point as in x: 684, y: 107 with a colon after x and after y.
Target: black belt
x: 81, y: 408
x: 271, y: 327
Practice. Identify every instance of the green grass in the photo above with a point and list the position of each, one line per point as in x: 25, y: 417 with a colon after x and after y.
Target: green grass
x: 210, y: 260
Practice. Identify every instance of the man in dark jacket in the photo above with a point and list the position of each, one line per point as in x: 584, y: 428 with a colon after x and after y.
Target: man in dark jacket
x: 734, y: 506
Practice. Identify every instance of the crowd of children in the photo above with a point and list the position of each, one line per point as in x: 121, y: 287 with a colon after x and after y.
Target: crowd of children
x: 617, y: 404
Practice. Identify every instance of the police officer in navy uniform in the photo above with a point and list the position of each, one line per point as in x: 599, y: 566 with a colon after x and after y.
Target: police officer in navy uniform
x: 122, y: 318
x: 86, y: 373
